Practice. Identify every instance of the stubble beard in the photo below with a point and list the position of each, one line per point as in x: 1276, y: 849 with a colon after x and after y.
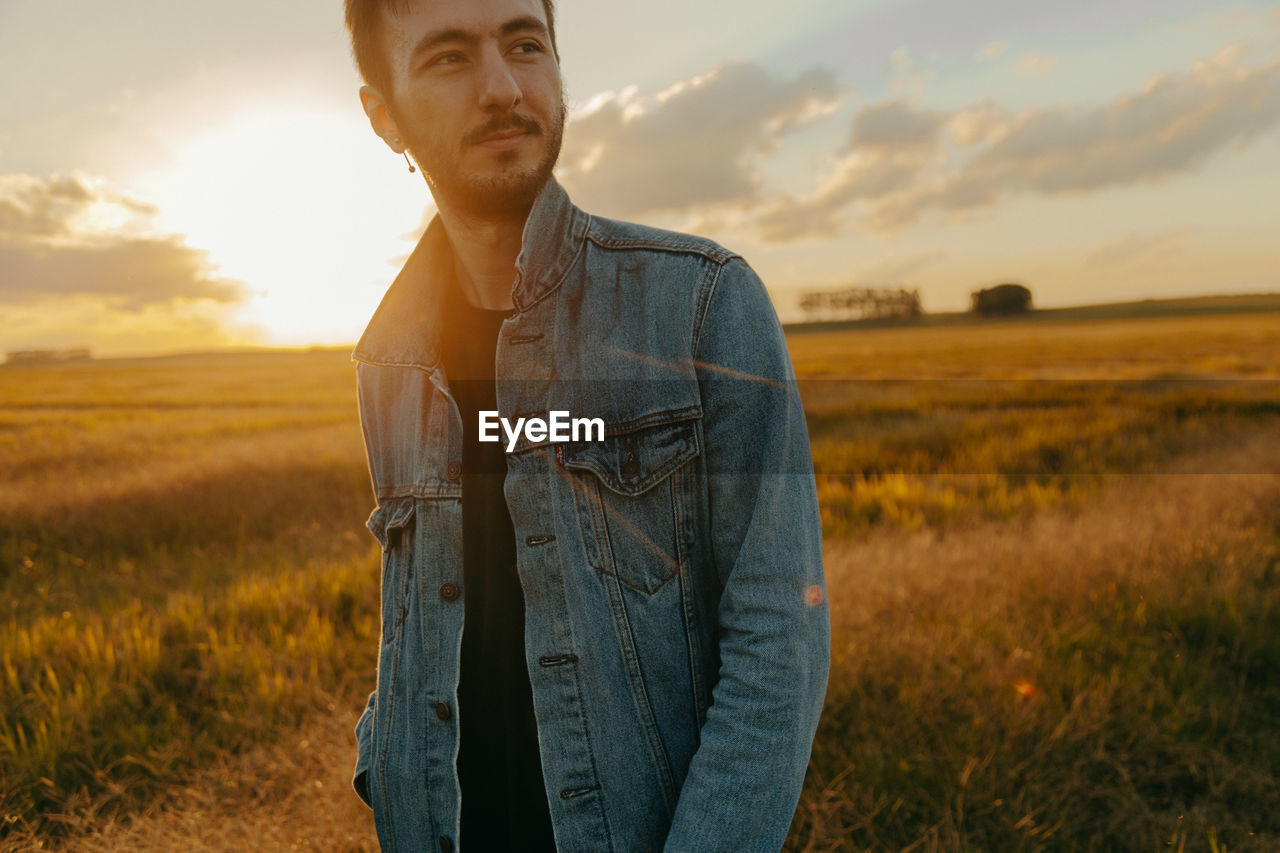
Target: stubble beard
x: 508, y: 191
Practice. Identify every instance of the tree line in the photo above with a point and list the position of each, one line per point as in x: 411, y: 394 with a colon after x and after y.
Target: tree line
x: 881, y: 303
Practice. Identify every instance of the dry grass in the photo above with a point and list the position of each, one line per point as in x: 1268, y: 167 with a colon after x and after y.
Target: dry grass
x: 1101, y: 678
x: 1040, y: 641
x: 927, y: 630
x: 291, y: 794
x: 1232, y: 346
x: 182, y: 567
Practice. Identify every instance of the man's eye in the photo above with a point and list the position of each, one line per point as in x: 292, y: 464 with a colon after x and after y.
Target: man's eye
x: 448, y: 59
x: 527, y: 47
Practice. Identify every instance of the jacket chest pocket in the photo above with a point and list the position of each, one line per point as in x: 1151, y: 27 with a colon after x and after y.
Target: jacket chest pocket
x: 392, y: 525
x: 632, y: 494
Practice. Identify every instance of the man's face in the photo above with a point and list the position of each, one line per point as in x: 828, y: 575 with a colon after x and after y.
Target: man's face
x: 476, y: 96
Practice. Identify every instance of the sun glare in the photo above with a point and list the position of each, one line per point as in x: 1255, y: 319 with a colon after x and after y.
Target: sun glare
x: 302, y: 209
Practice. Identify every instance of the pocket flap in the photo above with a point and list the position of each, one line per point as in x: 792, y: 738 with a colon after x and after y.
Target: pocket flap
x: 634, y: 461
x: 391, y: 517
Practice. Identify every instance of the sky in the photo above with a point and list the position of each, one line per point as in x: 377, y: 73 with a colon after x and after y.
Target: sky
x: 180, y: 176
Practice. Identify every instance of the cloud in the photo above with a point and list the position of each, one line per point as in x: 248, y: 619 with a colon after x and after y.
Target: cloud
x: 131, y: 273
x: 906, y: 75
x: 890, y: 145
x: 50, y: 208
x: 902, y: 161
x: 894, y: 126
x: 1035, y: 64
x: 1132, y: 247
x: 65, y: 236
x: 696, y: 144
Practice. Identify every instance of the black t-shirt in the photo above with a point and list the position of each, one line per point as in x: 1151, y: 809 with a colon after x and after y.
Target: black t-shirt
x: 504, y: 803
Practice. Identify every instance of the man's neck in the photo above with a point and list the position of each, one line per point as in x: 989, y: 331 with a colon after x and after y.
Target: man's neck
x: 484, y: 253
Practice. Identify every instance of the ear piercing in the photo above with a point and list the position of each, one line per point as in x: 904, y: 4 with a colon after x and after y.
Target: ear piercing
x: 405, y: 154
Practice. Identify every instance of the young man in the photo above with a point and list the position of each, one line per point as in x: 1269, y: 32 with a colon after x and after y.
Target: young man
x: 646, y: 635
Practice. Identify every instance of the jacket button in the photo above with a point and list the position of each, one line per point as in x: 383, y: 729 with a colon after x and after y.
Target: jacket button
x: 630, y: 468
x: 453, y: 470
x: 446, y: 846
x: 442, y: 711
x: 450, y: 591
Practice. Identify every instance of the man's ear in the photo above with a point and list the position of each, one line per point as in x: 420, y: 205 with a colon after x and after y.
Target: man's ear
x: 375, y: 107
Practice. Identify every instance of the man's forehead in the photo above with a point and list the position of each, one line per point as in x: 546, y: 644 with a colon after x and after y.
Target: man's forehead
x: 417, y: 18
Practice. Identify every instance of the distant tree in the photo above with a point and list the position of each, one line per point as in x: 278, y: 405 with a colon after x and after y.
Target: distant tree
x: 860, y: 303
x: 1002, y: 299
x: 46, y: 356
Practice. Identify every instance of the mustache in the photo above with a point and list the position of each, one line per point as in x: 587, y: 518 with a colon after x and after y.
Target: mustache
x: 500, y: 124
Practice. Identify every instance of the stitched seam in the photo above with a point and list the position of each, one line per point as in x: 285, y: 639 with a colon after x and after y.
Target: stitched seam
x: 426, y: 368
x: 644, y: 485
x: 708, y: 285
x: 381, y: 761
x: 677, y: 245
x: 683, y: 509
x: 554, y: 286
x: 622, y: 624
x: 671, y: 416
x: 586, y: 736
x: 424, y: 492
x: 653, y: 547
x: 589, y: 521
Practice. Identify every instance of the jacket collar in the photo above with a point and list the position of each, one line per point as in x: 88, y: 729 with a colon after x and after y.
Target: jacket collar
x: 406, y: 328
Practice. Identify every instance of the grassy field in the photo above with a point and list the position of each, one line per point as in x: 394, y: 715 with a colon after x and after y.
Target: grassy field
x: 183, y: 569
x: 1051, y: 552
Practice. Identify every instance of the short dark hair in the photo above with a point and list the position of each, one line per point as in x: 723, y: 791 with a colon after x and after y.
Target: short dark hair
x: 363, y: 19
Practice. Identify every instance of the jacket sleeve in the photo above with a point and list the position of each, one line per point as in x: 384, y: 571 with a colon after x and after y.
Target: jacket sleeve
x: 744, y: 781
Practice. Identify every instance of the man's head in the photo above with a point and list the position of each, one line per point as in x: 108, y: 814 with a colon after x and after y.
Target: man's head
x: 471, y: 88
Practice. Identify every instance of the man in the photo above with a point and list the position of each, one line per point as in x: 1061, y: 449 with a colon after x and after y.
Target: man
x: 646, y: 643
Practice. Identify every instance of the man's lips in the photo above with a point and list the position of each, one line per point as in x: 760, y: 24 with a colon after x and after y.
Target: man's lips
x: 505, y: 139
x: 504, y: 134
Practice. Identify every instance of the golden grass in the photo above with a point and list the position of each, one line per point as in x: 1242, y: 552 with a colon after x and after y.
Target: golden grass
x: 293, y: 793
x: 916, y: 427
x: 184, y: 568
x: 185, y: 581
x: 1099, y: 678
x: 1236, y: 346
x: 973, y: 688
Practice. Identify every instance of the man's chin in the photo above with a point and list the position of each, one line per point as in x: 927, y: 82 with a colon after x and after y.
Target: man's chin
x: 501, y: 194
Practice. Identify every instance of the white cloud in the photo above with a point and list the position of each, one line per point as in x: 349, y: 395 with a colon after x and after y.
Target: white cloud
x: 897, y: 165
x: 67, y: 235
x: 697, y: 143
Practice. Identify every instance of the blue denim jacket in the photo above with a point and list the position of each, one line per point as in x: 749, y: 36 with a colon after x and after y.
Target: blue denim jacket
x: 676, y: 627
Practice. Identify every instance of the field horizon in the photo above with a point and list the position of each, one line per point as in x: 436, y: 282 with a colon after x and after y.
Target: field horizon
x: 1206, y: 304
x: 1133, y: 309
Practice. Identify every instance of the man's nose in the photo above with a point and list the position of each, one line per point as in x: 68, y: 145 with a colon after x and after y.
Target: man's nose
x: 499, y: 91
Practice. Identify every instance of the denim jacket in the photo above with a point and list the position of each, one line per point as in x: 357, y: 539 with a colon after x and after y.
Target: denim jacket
x: 676, y: 627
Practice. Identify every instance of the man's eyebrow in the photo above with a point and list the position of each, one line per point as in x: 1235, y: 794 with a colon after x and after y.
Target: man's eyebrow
x: 438, y: 37
x: 528, y: 22
x: 435, y: 38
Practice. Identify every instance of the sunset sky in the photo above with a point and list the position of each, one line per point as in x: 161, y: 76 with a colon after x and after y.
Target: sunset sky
x: 177, y: 176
